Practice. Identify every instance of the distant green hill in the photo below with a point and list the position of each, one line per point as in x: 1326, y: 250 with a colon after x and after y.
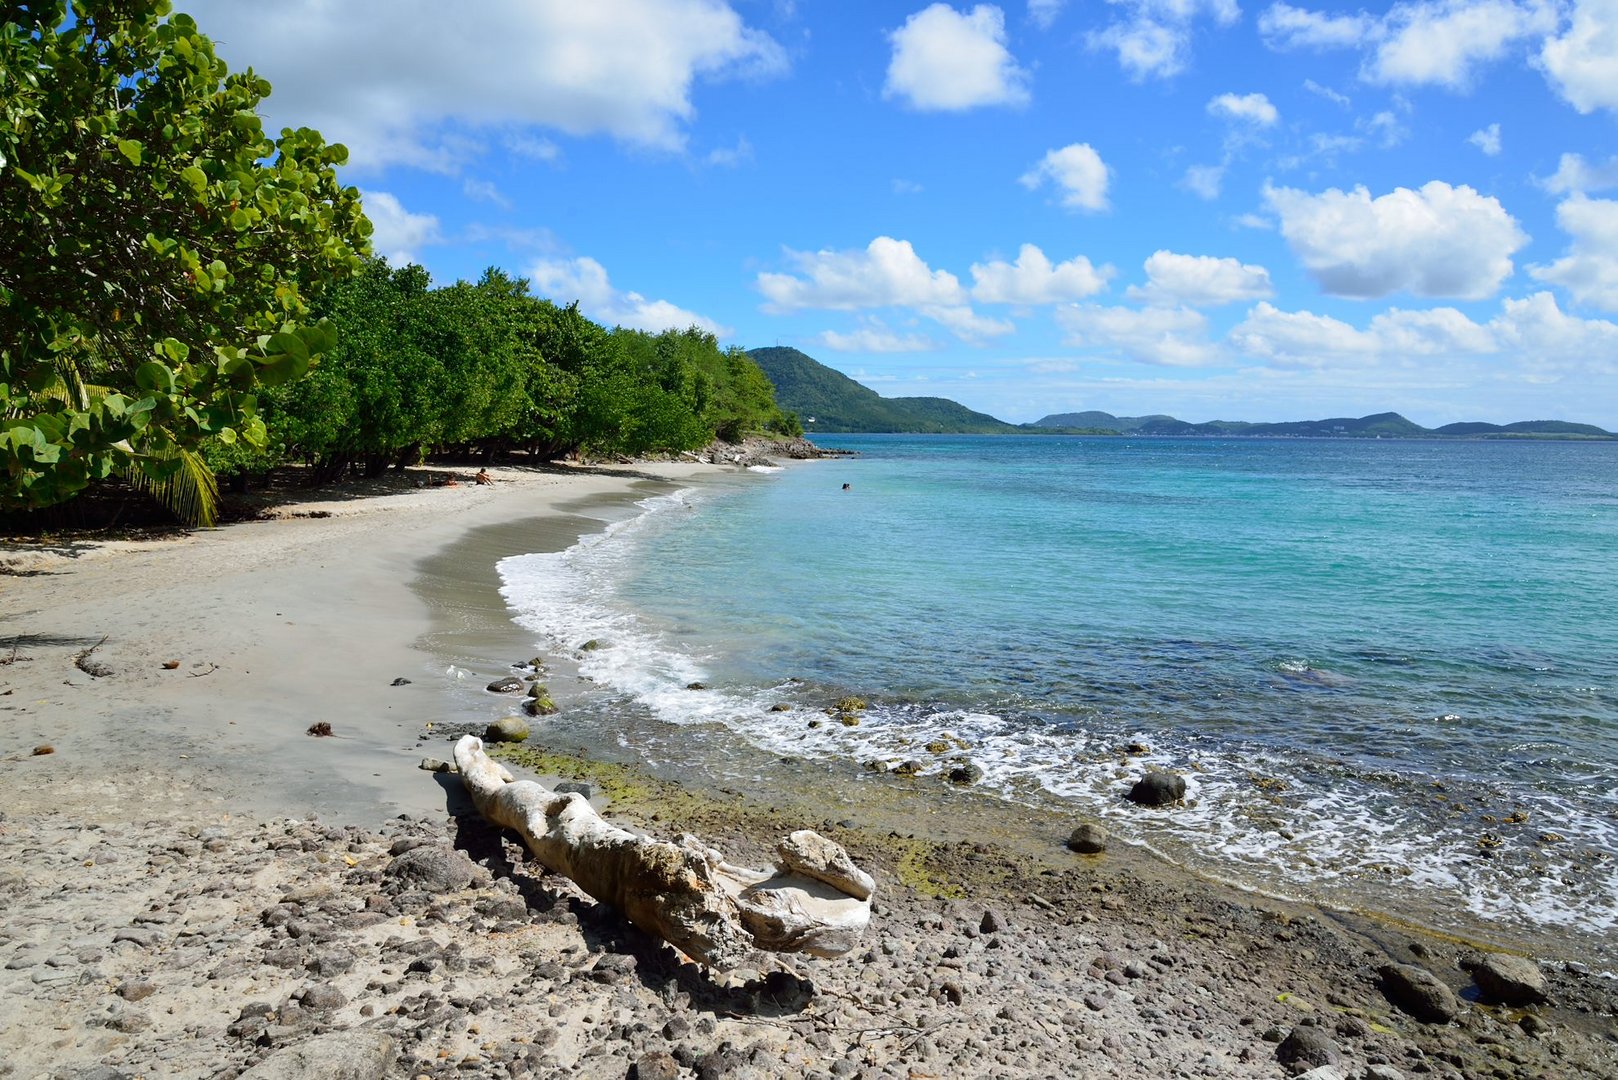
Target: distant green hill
x: 1379, y: 425
x: 839, y: 404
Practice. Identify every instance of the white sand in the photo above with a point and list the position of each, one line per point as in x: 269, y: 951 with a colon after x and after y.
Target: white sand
x: 276, y: 625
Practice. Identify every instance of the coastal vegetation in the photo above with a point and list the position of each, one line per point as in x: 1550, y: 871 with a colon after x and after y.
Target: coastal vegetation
x: 162, y: 250
x: 186, y: 297
x: 476, y: 369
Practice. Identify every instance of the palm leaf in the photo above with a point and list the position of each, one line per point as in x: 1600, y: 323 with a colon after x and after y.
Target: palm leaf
x: 190, y: 494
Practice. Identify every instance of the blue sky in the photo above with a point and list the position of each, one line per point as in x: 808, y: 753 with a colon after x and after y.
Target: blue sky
x: 1197, y: 207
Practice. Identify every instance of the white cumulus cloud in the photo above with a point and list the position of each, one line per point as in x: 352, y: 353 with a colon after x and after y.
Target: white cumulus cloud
x: 1573, y: 173
x: 1426, y: 42
x: 585, y: 280
x: 886, y: 273
x: 396, y: 233
x: 1283, y: 26
x: 1153, y: 37
x: 1199, y: 281
x: 1162, y: 336
x: 1549, y: 342
x: 946, y: 60
x: 1582, y: 62
x: 1589, y: 271
x: 399, y: 82
x: 1032, y: 279
x: 1443, y: 41
x: 1252, y: 109
x: 1437, y: 241
x: 875, y: 337
x: 1077, y: 172
x: 966, y: 324
x: 1487, y: 140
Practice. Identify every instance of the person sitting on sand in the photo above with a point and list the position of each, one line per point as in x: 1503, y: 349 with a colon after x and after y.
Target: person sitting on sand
x: 483, y: 477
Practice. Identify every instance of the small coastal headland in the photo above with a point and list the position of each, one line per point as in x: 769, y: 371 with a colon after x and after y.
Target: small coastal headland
x: 194, y: 885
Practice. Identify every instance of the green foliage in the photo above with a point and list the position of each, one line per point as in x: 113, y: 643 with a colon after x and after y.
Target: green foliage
x: 487, y: 367
x: 838, y: 403
x: 160, y: 247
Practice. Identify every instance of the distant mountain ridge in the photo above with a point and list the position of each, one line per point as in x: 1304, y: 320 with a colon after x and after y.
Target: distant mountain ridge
x: 838, y: 404
x: 828, y: 401
x: 1378, y: 425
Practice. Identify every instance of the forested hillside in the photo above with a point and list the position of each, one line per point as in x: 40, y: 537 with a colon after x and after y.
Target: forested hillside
x: 837, y: 403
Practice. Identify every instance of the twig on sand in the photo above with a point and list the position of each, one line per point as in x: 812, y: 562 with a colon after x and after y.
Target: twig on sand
x: 93, y: 668
x: 200, y: 674
x: 16, y: 647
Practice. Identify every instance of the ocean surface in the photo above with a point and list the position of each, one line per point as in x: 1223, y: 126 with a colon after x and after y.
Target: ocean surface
x: 1388, y: 669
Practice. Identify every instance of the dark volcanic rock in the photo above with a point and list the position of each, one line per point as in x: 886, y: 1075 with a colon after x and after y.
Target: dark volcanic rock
x: 432, y: 868
x: 1419, y: 992
x: 1306, y: 1048
x: 510, y: 684
x: 967, y: 773
x: 1158, y: 788
x: 1507, y: 980
x: 1088, y: 839
x: 656, y: 1065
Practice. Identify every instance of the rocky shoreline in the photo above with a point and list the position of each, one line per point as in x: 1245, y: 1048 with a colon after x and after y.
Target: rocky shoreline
x: 436, y: 948
x: 156, y: 921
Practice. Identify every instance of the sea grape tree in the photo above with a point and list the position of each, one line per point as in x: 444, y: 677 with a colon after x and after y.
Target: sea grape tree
x: 161, y: 249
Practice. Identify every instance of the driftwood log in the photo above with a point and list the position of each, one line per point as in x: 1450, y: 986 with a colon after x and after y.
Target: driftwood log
x: 815, y: 901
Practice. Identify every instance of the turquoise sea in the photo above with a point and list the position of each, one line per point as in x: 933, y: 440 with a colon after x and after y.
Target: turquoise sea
x: 1388, y: 669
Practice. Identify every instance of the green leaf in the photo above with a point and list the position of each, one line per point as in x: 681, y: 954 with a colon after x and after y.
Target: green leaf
x: 278, y: 370
x: 288, y: 343
x: 131, y: 149
x: 155, y: 377
x: 196, y: 178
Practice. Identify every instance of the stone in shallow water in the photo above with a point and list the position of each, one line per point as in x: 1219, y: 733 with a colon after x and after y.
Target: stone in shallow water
x: 1088, y: 838
x: 507, y: 729
x: 1158, y: 788
x: 510, y: 684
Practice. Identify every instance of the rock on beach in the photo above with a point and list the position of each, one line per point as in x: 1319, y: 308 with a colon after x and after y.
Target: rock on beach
x: 1158, y: 788
x: 1507, y: 980
x: 1419, y: 992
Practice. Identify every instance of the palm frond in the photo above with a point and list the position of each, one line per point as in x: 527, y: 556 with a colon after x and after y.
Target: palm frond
x: 190, y: 494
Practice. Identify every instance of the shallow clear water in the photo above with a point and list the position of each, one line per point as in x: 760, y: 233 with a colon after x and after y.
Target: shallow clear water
x: 1390, y: 669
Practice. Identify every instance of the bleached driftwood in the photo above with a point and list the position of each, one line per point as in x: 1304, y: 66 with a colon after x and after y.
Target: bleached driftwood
x: 816, y: 901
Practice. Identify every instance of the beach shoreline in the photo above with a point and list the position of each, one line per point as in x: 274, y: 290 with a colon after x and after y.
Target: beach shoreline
x: 280, y: 624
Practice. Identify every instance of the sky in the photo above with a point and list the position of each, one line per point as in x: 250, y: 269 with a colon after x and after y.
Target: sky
x: 1204, y: 208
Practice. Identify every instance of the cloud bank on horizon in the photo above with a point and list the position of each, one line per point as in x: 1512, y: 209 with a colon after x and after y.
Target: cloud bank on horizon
x: 1262, y: 212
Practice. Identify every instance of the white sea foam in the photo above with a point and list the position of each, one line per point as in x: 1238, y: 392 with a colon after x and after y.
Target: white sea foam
x: 1330, y: 835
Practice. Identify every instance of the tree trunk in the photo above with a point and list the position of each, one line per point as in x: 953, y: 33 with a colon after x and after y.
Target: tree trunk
x: 816, y: 901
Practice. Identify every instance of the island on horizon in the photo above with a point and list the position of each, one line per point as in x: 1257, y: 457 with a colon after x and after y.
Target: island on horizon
x: 829, y: 402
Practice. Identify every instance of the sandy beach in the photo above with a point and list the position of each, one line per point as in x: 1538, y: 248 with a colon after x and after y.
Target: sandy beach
x: 192, y: 885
